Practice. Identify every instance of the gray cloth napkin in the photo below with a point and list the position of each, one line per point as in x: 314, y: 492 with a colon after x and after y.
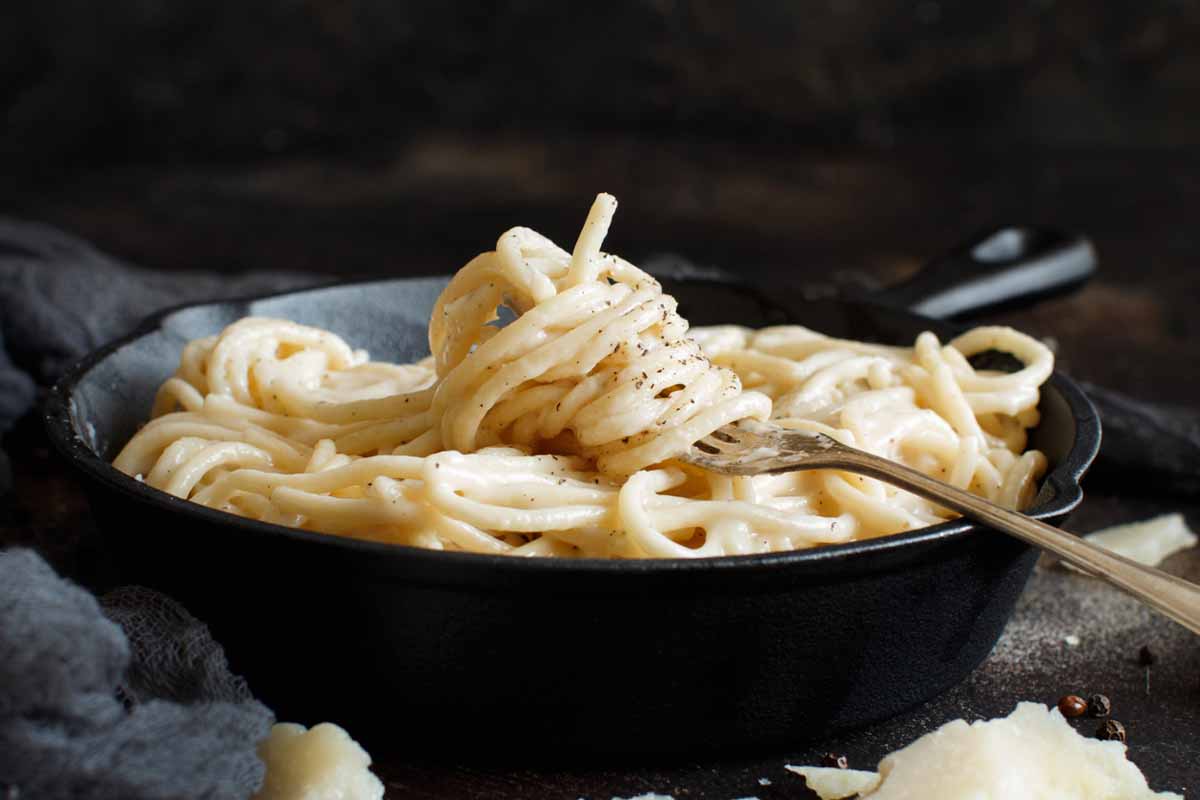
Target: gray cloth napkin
x: 130, y: 698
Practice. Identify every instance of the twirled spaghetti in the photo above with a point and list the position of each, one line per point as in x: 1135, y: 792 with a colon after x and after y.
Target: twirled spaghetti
x: 557, y: 433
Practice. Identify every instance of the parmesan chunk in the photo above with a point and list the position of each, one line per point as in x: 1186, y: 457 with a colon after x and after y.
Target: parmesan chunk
x: 832, y: 783
x: 1149, y: 542
x: 319, y: 764
x: 1032, y: 754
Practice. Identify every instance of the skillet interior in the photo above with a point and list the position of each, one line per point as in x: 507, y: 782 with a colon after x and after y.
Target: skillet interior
x: 795, y: 641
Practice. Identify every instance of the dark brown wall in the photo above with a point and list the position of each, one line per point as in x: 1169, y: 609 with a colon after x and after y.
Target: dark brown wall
x: 146, y: 80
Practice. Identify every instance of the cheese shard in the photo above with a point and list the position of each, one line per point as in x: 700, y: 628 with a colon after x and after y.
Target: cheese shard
x: 1032, y: 754
x: 831, y: 783
x: 323, y: 763
x: 1148, y: 542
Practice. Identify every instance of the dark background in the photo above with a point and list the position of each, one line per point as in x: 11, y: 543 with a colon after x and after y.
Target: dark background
x: 784, y: 141
x: 787, y: 142
x: 226, y: 81
x: 373, y: 136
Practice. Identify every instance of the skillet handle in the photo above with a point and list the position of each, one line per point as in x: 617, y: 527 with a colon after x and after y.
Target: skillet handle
x: 993, y: 268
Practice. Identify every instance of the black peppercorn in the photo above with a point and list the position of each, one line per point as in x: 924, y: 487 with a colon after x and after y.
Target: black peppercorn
x: 1146, y: 656
x: 834, y: 760
x: 1111, y: 730
x: 1072, y: 705
x: 1099, y: 705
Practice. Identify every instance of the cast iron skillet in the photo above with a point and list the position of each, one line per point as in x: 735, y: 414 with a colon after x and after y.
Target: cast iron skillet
x: 463, y: 655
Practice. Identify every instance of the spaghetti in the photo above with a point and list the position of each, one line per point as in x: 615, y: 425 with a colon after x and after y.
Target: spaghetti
x: 556, y: 434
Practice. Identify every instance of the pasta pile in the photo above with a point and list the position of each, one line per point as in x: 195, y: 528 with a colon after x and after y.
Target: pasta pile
x: 556, y: 434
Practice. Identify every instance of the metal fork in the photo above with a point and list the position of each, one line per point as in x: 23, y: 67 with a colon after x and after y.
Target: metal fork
x: 753, y: 448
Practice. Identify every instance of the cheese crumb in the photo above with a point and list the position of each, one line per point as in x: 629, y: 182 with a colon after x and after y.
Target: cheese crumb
x: 323, y: 763
x: 831, y: 783
x: 1031, y: 753
x: 1149, y: 542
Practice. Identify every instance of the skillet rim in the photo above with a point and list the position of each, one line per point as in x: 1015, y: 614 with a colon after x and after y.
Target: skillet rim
x: 61, y: 425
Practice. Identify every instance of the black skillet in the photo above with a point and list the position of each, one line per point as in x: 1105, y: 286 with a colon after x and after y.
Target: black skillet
x: 474, y: 656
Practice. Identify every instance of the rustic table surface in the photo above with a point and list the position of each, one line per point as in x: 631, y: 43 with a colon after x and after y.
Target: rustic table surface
x: 777, y: 217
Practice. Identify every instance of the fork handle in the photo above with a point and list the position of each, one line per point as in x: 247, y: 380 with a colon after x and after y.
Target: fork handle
x: 1176, y: 598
